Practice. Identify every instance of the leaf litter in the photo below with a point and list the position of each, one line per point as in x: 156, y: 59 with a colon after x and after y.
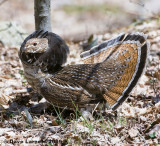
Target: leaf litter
x: 26, y: 118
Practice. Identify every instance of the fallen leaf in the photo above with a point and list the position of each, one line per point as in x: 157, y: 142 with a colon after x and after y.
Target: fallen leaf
x: 115, y: 140
x: 54, y: 123
x: 133, y: 132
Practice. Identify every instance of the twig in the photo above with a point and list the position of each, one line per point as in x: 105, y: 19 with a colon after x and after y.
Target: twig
x: 21, y: 91
x: 8, y: 26
x: 95, y: 108
x: 3, y: 2
x: 138, y: 3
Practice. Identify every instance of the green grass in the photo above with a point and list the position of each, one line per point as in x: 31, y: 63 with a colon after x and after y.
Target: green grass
x: 91, y: 8
x: 60, y: 118
x: 86, y: 122
x: 21, y: 72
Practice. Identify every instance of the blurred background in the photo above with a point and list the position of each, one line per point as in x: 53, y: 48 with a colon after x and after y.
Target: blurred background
x: 78, y: 19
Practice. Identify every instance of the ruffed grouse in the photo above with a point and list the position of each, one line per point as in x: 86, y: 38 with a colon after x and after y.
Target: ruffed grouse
x: 109, y: 73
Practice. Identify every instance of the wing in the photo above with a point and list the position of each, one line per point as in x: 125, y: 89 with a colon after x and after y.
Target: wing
x: 111, y: 77
x: 73, y: 84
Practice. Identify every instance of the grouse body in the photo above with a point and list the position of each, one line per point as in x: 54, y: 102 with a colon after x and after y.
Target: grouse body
x: 109, y: 73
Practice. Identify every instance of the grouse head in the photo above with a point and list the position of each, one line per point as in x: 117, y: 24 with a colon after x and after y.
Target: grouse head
x: 45, y: 50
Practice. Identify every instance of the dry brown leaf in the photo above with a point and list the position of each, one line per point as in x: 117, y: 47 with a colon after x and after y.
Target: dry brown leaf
x: 5, y: 77
x: 4, y: 100
x: 54, y: 123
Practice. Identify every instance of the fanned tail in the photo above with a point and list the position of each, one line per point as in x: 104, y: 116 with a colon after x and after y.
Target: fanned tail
x: 126, y: 56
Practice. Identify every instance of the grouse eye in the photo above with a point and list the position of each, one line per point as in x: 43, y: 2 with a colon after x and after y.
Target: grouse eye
x: 34, y: 44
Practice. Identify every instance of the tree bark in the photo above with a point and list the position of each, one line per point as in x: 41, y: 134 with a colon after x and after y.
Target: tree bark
x: 42, y: 13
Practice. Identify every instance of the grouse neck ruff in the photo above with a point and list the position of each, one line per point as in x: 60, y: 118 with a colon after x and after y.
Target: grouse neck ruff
x: 109, y: 73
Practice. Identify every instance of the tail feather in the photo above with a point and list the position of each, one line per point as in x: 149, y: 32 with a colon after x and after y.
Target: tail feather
x: 99, y: 53
x: 130, y: 51
x: 141, y: 66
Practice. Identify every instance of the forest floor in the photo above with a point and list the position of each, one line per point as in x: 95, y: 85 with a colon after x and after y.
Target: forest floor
x: 26, y: 119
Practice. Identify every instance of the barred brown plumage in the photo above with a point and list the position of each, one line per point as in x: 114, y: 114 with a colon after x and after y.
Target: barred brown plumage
x: 109, y: 73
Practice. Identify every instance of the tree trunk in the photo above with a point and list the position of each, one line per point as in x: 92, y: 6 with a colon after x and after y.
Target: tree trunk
x: 42, y: 13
